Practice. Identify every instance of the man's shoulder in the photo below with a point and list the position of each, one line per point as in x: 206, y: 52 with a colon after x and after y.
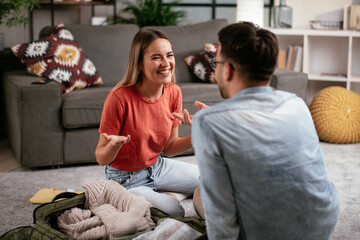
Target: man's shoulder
x: 248, y: 102
x: 212, y: 110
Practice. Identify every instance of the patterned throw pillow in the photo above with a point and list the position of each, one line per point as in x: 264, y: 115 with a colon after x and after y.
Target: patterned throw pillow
x: 200, y: 65
x: 59, y: 58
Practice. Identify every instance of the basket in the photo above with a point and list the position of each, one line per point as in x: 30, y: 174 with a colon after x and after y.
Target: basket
x: 326, y: 25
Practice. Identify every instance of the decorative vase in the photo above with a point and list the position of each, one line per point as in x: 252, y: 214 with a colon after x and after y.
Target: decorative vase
x: 282, y: 15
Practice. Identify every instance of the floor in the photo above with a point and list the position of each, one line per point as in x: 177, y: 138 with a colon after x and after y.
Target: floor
x: 7, y: 157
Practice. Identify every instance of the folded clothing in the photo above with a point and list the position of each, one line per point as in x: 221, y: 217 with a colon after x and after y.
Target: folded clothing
x: 170, y: 229
x: 110, y: 211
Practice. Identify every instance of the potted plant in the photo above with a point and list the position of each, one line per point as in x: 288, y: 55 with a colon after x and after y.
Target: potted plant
x: 11, y: 14
x: 149, y: 13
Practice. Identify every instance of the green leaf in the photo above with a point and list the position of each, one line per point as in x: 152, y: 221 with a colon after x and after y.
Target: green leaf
x: 150, y: 13
x: 11, y: 11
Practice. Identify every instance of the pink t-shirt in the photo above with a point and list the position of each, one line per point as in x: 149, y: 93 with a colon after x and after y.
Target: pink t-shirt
x: 149, y: 123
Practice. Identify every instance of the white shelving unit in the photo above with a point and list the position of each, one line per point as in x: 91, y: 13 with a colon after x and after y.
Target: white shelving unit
x: 330, y: 57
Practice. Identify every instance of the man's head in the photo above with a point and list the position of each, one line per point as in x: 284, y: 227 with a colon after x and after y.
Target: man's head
x: 246, y: 52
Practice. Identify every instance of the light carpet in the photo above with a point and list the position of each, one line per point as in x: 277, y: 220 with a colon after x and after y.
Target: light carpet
x: 19, y: 185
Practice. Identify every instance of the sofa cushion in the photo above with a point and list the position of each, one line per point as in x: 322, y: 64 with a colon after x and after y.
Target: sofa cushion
x: 200, y: 64
x: 188, y: 40
x: 83, y: 109
x: 207, y: 93
x: 108, y: 46
x: 59, y: 58
x: 290, y: 81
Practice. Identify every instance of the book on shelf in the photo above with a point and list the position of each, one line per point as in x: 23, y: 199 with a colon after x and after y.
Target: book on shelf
x: 281, y: 59
x: 346, y: 17
x: 351, y: 19
x: 298, y: 58
x: 291, y: 58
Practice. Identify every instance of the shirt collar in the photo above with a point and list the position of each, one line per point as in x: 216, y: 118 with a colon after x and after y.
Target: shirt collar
x: 253, y: 90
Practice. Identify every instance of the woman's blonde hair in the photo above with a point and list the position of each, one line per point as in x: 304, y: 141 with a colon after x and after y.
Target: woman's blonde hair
x: 140, y: 42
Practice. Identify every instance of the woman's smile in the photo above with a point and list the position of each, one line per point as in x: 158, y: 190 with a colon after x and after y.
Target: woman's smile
x: 165, y: 72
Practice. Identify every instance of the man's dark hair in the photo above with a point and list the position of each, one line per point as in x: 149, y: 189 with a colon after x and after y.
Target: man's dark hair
x: 251, y: 49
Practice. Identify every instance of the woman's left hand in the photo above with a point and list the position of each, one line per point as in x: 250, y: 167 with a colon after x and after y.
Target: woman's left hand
x: 185, y: 117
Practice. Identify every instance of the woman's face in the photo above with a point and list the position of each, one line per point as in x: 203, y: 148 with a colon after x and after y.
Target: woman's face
x: 158, y: 62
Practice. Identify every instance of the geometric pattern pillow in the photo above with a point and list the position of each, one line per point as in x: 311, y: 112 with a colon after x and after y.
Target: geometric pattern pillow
x: 59, y: 58
x: 211, y: 48
x: 200, y: 64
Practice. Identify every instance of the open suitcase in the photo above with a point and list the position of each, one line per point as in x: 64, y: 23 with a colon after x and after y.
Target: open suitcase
x: 45, y: 216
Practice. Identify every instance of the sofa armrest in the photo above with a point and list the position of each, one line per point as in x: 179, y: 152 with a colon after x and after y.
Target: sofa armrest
x: 33, y: 118
x: 290, y: 81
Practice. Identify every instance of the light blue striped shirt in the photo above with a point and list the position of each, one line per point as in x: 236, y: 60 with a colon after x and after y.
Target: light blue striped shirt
x: 262, y: 169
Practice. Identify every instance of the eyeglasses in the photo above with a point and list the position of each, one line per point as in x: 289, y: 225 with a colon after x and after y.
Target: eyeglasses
x: 213, y: 64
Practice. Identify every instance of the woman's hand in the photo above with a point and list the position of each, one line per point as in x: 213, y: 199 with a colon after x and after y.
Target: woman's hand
x: 185, y: 117
x: 108, y: 147
x: 117, y: 140
x: 200, y: 105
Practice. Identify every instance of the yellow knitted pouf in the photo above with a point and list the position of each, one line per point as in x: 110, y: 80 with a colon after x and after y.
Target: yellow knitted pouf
x: 336, y: 115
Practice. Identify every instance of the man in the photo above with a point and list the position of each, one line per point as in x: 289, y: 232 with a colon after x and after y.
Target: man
x: 261, y: 166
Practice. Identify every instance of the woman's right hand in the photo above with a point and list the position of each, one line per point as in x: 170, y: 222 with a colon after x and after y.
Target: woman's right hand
x: 117, y: 140
x: 108, y: 147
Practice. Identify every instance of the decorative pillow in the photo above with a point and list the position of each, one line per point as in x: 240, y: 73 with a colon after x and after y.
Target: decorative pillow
x: 59, y: 58
x: 200, y: 64
x: 211, y: 48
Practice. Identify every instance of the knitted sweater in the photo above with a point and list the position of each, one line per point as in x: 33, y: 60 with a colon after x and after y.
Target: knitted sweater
x: 110, y: 211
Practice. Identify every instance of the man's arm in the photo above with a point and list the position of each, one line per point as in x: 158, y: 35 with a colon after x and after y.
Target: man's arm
x: 216, y: 186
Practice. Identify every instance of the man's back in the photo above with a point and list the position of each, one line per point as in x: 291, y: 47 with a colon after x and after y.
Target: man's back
x: 264, y: 151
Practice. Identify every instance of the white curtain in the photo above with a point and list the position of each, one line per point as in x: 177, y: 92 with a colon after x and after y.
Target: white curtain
x: 251, y: 11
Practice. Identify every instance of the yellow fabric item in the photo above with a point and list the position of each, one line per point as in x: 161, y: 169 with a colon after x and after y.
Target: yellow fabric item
x: 46, y: 195
x: 336, y: 115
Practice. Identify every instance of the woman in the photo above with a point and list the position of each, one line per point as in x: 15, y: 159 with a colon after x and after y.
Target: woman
x: 137, y: 125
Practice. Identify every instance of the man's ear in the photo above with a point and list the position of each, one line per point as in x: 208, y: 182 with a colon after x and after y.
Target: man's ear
x: 229, y: 71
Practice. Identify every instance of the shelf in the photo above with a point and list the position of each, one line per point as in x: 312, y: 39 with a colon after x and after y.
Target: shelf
x: 355, y: 79
x: 335, y: 52
x: 319, y: 77
x: 312, y: 32
x: 74, y: 3
x: 53, y: 4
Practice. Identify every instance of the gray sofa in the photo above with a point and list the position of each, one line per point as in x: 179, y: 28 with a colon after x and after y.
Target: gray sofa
x: 48, y: 128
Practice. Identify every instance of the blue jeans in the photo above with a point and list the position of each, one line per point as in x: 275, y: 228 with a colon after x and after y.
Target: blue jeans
x: 165, y: 175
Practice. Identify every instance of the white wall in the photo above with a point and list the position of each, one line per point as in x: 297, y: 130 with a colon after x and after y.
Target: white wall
x: 303, y: 12
x: 326, y: 10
